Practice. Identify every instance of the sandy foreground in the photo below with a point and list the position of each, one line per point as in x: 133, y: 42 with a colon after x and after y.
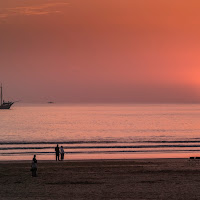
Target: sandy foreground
x: 102, y: 179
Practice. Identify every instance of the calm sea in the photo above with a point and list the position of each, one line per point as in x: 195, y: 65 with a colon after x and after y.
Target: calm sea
x: 100, y: 131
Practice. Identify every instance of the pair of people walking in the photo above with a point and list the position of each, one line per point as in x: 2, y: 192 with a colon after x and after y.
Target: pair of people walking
x: 59, y: 151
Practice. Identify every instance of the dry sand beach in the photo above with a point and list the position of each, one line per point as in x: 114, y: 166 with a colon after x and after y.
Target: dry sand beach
x: 102, y: 179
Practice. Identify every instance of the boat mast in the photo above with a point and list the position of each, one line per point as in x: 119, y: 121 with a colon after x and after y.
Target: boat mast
x: 1, y: 95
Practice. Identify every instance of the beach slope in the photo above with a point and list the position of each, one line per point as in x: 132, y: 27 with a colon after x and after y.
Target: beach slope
x: 102, y: 179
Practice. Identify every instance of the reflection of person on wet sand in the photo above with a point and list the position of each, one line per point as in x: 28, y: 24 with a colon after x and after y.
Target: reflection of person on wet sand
x: 34, y: 166
x: 62, y: 152
x: 57, y: 152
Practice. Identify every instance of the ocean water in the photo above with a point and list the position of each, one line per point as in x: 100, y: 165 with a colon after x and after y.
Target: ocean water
x: 100, y: 131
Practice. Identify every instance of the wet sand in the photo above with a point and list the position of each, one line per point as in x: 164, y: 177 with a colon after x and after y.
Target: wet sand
x: 102, y: 179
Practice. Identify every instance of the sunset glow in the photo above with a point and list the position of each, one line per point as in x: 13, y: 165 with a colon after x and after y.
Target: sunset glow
x: 99, y: 99
x: 100, y: 51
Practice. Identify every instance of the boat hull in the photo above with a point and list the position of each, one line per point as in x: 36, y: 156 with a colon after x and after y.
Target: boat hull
x: 6, y: 105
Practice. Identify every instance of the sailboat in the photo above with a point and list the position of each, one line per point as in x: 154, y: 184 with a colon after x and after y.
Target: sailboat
x: 5, y: 105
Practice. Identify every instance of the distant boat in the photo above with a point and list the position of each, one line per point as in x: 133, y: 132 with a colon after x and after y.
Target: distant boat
x: 50, y: 102
x: 5, y: 105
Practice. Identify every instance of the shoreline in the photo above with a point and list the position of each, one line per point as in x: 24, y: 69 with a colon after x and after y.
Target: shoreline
x: 93, y: 160
x: 103, y: 156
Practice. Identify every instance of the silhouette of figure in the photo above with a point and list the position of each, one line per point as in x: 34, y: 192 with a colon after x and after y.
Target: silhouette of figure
x: 57, y: 152
x: 34, y: 166
x: 62, y: 152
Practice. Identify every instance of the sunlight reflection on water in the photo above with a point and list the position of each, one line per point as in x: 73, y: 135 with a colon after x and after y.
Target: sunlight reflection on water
x: 99, y: 125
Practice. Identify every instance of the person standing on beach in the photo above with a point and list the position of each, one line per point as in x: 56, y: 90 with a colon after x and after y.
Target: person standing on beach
x: 57, y: 152
x: 34, y: 166
x: 62, y: 152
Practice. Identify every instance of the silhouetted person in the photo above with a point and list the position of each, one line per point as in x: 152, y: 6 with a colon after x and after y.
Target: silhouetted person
x: 57, y: 152
x: 34, y: 166
x: 62, y: 152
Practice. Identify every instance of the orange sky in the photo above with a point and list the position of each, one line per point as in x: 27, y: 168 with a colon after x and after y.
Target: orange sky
x: 100, y: 50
